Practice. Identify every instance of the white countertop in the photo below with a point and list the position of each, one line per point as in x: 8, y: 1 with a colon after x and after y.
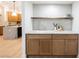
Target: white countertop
x: 51, y: 32
x: 13, y: 26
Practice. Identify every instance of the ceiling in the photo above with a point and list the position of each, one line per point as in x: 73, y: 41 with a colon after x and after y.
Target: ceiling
x: 9, y: 5
x: 52, y: 2
x: 18, y: 3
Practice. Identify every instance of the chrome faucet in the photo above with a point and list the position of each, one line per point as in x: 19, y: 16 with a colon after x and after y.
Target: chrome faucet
x: 58, y: 26
x: 55, y: 26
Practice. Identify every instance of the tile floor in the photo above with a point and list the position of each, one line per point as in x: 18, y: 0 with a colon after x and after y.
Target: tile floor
x: 10, y: 48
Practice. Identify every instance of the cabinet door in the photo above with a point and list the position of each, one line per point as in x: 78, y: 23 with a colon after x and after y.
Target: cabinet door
x: 71, y: 47
x: 58, y: 47
x: 45, y: 47
x: 33, y: 47
x: 13, y: 18
x: 1, y: 30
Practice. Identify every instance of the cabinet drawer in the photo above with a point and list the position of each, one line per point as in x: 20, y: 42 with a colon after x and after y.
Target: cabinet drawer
x: 39, y: 36
x: 58, y: 36
x: 70, y: 36
x: 64, y: 36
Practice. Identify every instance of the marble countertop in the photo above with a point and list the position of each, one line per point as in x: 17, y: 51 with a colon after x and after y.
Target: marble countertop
x: 51, y: 32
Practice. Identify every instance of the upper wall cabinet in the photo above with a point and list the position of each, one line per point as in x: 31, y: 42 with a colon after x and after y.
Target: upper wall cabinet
x: 13, y: 18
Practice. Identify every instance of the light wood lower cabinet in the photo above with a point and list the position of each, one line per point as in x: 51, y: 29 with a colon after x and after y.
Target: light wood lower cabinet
x: 51, y: 45
x: 71, y: 47
x: 45, y: 47
x: 33, y: 47
x: 58, y: 47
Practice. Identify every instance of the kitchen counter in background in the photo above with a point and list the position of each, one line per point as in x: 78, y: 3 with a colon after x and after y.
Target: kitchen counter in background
x: 51, y: 32
x: 10, y: 32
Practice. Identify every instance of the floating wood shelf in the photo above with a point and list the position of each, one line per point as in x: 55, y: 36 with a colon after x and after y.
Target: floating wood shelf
x: 51, y: 17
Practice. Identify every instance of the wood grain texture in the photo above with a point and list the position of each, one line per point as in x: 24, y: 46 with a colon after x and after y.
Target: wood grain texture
x: 33, y: 47
x: 55, y: 45
x: 58, y: 47
x: 1, y: 30
x: 13, y: 18
x: 45, y: 47
x: 65, y: 36
x: 71, y: 47
x: 10, y: 48
x: 39, y: 36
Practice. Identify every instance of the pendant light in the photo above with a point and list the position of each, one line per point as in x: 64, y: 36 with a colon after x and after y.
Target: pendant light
x: 14, y: 11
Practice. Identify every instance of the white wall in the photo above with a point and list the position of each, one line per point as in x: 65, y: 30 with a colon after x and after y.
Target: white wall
x: 26, y: 22
x: 51, y: 10
x: 28, y: 15
x: 2, y: 16
x: 75, y: 14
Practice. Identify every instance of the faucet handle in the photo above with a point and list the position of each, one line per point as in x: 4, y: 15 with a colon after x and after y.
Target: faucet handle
x: 55, y: 24
x: 60, y: 27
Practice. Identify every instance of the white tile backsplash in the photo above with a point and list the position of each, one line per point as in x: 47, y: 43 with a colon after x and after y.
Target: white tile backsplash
x: 47, y: 24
